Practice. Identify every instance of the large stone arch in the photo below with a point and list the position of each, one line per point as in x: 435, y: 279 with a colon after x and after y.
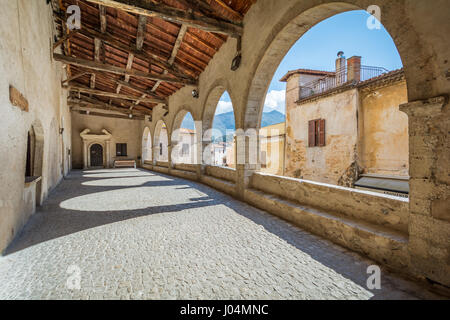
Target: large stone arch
x: 215, y: 92
x: 301, y: 16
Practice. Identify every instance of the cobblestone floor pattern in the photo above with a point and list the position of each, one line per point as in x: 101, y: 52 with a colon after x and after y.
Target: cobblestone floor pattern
x: 135, y: 234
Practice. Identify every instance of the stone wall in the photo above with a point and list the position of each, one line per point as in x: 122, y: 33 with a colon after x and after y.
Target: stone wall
x: 26, y: 35
x: 331, y: 163
x: 384, y: 130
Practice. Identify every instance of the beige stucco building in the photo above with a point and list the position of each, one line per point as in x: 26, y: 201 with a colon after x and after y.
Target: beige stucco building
x: 357, y: 127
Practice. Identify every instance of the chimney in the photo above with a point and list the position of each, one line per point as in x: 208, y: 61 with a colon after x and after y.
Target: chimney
x: 340, y: 68
x: 354, y: 69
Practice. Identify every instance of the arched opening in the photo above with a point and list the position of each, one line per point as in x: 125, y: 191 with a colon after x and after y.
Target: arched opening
x: 146, y: 146
x: 96, y: 155
x: 35, y: 157
x: 184, y: 140
x: 342, y: 124
x: 219, y: 125
x: 161, y: 151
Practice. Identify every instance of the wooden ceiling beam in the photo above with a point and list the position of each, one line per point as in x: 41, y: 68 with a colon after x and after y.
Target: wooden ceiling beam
x: 162, y: 11
x: 175, y: 50
x: 117, y: 70
x: 124, y: 108
x: 144, y: 55
x: 75, y: 88
x: 230, y: 10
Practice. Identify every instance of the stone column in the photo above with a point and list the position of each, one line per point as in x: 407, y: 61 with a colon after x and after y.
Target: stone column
x: 248, y: 159
x: 85, y: 155
x: 429, y: 156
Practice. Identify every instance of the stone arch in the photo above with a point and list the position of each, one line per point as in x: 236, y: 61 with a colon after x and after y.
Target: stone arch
x: 215, y: 92
x: 176, y: 137
x: 209, y: 109
x: 160, y: 125
x: 147, y: 151
x: 302, y: 16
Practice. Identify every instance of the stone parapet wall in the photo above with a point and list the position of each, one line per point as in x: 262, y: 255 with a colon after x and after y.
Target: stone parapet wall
x: 384, y: 210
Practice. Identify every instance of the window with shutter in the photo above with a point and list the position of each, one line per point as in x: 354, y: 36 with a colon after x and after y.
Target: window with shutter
x: 121, y: 149
x: 316, y: 133
x: 312, y: 133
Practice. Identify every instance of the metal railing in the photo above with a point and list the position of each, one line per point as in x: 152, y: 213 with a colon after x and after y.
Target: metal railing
x: 341, y: 78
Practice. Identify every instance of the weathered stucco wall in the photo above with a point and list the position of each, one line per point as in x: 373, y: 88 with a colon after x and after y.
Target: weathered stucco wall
x: 335, y: 162
x: 384, y: 138
x: 122, y: 131
x: 26, y: 35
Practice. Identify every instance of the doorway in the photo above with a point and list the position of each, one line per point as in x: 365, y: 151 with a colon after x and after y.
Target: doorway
x: 96, y: 153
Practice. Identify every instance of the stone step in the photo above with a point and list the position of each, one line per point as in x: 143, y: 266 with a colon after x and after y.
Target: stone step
x: 219, y: 184
x: 388, y: 247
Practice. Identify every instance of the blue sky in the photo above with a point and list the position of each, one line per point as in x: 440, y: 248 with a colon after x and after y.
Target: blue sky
x: 318, y: 47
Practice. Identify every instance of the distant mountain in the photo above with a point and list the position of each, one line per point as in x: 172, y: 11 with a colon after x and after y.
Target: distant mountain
x: 272, y: 117
x: 225, y: 121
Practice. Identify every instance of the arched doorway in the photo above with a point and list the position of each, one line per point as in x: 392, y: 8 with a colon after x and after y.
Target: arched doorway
x: 96, y: 155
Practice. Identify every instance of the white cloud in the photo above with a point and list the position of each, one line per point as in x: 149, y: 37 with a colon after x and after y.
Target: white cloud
x: 275, y: 100
x: 224, y: 107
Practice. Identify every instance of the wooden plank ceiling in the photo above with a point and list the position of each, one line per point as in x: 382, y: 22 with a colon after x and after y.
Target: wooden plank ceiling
x: 130, y: 56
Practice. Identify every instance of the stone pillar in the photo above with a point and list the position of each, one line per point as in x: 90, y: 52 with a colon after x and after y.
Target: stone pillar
x: 354, y: 69
x: 429, y: 156
x: 85, y: 155
x: 108, y: 153
x: 248, y: 159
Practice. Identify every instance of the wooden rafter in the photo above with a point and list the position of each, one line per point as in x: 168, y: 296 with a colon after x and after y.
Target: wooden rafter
x: 174, y: 53
x: 142, y: 55
x: 83, y: 102
x: 191, y: 19
x: 230, y: 10
x: 117, y: 70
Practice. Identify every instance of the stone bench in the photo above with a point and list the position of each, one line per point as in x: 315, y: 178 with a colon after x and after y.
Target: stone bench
x: 124, y: 163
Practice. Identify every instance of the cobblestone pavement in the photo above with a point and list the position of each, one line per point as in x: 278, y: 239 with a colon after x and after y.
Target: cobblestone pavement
x: 135, y: 234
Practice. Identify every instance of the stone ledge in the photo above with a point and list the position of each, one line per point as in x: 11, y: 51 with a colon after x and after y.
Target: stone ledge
x: 424, y: 108
x: 380, y: 244
x: 219, y: 184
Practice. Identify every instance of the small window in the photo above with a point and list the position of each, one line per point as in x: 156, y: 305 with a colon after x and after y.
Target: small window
x: 160, y: 149
x: 185, y: 149
x: 316, y: 133
x: 121, y: 149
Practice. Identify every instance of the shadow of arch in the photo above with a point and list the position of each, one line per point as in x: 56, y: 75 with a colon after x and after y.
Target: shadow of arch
x: 302, y: 17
